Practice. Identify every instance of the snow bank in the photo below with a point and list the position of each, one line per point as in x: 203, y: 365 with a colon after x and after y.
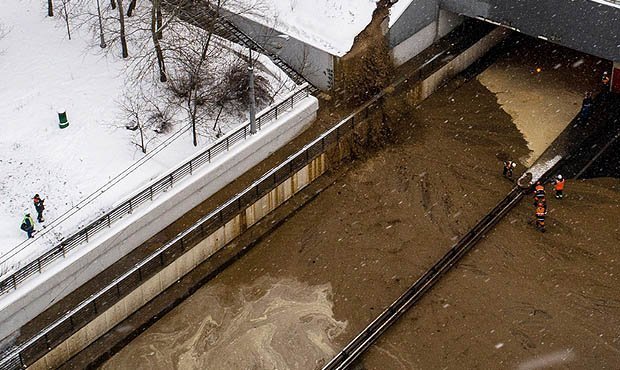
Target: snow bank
x: 330, y: 25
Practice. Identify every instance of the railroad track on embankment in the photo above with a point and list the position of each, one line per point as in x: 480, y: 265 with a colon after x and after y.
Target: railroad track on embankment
x: 413, y: 294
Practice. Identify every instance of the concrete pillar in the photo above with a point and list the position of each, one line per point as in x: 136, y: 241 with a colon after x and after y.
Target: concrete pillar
x: 615, y: 78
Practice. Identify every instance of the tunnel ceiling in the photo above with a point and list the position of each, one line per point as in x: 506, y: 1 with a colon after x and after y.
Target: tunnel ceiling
x: 583, y: 25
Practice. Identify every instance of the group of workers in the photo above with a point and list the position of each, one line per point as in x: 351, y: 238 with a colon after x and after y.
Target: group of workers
x: 540, y: 198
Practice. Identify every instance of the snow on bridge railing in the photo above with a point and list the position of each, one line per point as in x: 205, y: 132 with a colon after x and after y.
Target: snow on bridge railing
x: 147, y: 194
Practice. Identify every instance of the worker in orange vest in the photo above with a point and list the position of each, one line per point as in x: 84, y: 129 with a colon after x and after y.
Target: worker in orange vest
x: 539, y: 191
x: 558, y: 186
x: 541, y: 212
x: 540, y: 202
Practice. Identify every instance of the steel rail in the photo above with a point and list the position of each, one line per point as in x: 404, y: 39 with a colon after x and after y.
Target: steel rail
x: 393, y: 312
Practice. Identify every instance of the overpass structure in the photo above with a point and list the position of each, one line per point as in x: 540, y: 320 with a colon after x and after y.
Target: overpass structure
x: 584, y: 25
x: 589, y: 26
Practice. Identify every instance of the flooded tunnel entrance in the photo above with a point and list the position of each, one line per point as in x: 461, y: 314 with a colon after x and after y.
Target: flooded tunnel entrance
x: 312, y: 284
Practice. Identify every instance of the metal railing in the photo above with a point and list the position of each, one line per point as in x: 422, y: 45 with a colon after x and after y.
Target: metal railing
x: 30, y: 351
x: 147, y: 194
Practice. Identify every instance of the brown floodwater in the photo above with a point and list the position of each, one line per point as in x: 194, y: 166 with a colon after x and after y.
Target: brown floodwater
x: 520, y: 297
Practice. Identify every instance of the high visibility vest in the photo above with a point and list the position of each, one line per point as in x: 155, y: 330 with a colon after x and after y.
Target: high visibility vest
x: 540, y: 211
x: 539, y: 189
x: 559, y: 185
x: 29, y: 221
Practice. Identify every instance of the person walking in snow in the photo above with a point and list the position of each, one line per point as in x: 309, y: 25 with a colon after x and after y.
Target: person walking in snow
x: 28, y: 225
x: 558, y: 186
x: 39, y: 206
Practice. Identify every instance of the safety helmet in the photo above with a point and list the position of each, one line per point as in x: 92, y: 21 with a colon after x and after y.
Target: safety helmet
x: 559, y: 177
x: 513, y: 165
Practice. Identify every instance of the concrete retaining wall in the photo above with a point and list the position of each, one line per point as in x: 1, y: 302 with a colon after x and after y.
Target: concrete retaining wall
x: 422, y: 90
x: 254, y: 213
x: 316, y: 65
x: 86, y: 261
x: 423, y: 36
x: 184, y: 264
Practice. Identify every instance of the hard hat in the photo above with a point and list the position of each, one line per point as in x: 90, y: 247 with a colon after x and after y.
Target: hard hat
x: 559, y: 177
x: 513, y: 165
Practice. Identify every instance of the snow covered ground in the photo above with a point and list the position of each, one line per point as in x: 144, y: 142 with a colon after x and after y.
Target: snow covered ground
x: 330, y: 25
x: 41, y: 71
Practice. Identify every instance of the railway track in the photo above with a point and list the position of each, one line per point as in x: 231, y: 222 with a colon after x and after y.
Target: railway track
x: 372, y: 332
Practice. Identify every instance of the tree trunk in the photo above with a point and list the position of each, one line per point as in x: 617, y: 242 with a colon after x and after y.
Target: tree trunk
x: 66, y: 17
x: 50, y: 8
x: 192, y: 114
x: 122, y: 22
x: 154, y: 35
x: 160, y: 35
x: 132, y: 6
x: 113, y: 4
x: 142, y: 146
x: 102, y: 43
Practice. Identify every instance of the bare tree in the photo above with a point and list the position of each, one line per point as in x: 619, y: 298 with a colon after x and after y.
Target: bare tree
x: 50, y: 8
x: 190, y: 82
x: 146, y: 115
x: 135, y: 110
x: 233, y: 89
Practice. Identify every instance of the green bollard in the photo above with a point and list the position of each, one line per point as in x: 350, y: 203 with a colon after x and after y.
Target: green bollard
x: 62, y: 119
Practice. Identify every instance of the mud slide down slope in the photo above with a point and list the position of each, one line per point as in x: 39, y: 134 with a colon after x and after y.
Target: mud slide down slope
x: 367, y: 67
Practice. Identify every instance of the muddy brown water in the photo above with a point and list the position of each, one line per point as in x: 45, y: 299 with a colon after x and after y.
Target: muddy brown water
x: 521, y: 300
